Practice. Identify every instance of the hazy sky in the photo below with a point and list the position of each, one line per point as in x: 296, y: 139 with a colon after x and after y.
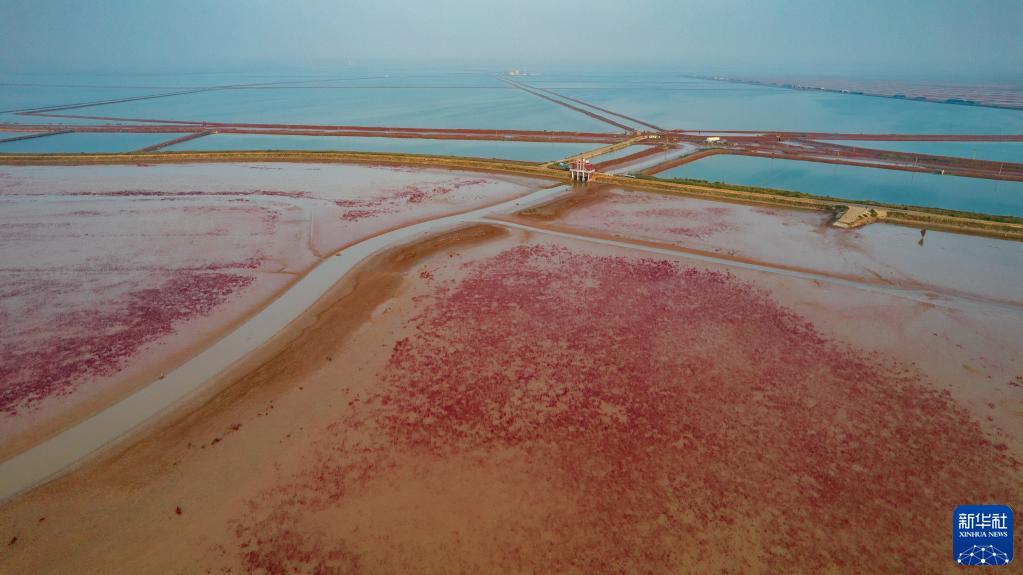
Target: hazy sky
x: 933, y: 37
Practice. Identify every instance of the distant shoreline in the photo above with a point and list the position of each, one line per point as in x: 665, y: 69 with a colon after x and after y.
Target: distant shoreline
x: 811, y: 87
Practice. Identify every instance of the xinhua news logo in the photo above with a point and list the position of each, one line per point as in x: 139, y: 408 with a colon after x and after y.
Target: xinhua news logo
x: 982, y: 535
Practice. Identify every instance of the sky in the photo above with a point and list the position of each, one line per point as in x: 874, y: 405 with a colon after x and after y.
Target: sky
x: 936, y: 38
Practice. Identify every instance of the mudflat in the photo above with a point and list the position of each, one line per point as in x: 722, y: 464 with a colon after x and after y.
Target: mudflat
x: 614, y: 385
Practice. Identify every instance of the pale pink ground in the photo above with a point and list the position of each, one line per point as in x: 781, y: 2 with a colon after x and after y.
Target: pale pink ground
x: 104, y: 270
x: 970, y: 265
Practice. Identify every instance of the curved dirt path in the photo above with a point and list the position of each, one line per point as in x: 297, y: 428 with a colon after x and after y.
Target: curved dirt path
x: 49, y: 458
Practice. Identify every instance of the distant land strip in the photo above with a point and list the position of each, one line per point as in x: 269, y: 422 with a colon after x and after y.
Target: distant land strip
x: 1007, y: 97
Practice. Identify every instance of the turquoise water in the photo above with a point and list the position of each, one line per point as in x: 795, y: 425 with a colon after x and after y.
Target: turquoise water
x: 858, y: 183
x: 21, y: 91
x: 411, y: 97
x: 995, y: 151
x: 479, y: 100
x: 693, y: 104
x: 525, y: 151
x: 18, y: 97
x: 348, y: 97
x: 495, y: 106
x: 415, y: 80
x: 85, y: 142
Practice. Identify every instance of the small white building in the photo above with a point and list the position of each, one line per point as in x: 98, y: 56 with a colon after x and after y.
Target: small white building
x: 715, y: 139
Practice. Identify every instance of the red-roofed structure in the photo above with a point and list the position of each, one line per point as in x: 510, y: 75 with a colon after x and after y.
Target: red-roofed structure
x: 582, y: 170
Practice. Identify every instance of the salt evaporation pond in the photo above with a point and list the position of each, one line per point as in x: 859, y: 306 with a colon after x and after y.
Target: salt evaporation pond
x: 85, y: 142
x: 439, y: 99
x: 678, y: 102
x: 498, y: 106
x: 15, y: 96
x: 524, y: 151
x: 859, y: 183
x: 994, y: 151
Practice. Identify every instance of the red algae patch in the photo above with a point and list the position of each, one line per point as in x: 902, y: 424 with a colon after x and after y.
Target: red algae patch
x: 552, y: 410
x: 97, y: 342
x: 111, y: 275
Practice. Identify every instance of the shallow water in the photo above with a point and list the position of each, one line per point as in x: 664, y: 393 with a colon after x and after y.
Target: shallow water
x: 448, y: 99
x: 495, y: 106
x: 859, y: 183
x: 86, y: 142
x: 16, y: 96
x: 673, y: 101
x: 995, y: 151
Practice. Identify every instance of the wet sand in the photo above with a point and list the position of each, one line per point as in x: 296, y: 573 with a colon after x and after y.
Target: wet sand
x: 886, y: 254
x: 112, y: 276
x: 501, y: 401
